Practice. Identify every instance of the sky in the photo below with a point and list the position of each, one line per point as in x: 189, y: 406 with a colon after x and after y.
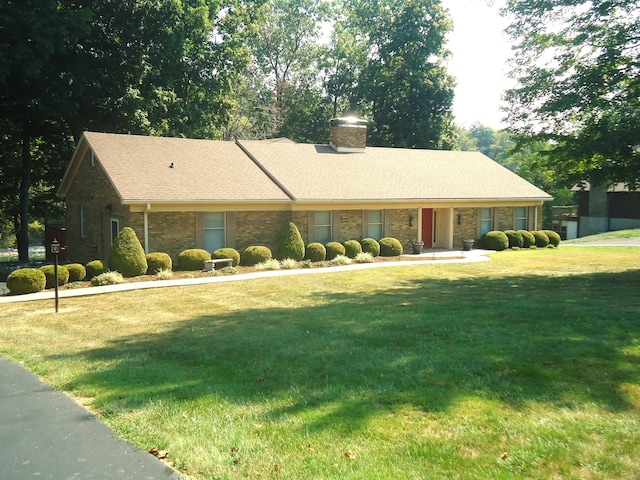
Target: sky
x: 480, y: 51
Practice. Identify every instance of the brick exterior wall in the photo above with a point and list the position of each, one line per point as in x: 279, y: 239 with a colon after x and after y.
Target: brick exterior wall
x: 468, y: 227
x: 398, y: 226
x: 260, y: 228
x: 169, y: 232
x: 348, y: 136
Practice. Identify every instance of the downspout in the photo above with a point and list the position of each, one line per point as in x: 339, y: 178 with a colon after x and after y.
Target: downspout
x: 146, y: 228
x: 535, y: 217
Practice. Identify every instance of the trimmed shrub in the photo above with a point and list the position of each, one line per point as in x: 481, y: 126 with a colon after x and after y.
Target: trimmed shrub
x: 541, y: 238
x: 495, y: 240
x: 291, y: 244
x: 127, y: 255
x: 231, y: 253
x: 26, y: 280
x: 528, y: 240
x: 95, y: 268
x: 369, y: 245
x: 49, y: 273
x: 107, y: 278
x: 157, y: 261
x: 334, y: 249
x: 255, y: 254
x: 352, y: 248
x: 554, y: 237
x: 316, y: 252
x: 192, y: 259
x: 390, y: 247
x: 77, y: 272
x: 515, y: 238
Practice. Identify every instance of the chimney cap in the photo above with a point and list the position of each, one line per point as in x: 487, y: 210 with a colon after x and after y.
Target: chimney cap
x: 348, y: 121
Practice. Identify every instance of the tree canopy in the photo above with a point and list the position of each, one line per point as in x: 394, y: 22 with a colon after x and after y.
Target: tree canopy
x: 578, y: 67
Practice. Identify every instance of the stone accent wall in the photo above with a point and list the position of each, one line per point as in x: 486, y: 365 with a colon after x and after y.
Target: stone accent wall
x: 260, y: 228
x: 94, y: 192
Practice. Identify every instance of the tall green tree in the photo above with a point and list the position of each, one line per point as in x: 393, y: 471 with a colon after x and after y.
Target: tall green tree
x: 578, y: 67
x: 403, y: 84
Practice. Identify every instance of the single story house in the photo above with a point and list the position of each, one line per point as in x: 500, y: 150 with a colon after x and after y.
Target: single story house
x: 606, y: 209
x: 179, y: 193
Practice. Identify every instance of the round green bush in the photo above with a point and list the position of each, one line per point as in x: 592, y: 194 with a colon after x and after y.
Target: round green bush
x: 157, y: 261
x: 542, y: 240
x: 77, y: 272
x: 554, y: 237
x: 369, y: 245
x: 127, y: 255
x: 495, y: 240
x: 192, y: 259
x: 316, y: 252
x: 528, y: 240
x: 334, y: 249
x: 352, y: 248
x: 291, y: 244
x: 26, y: 280
x: 95, y: 268
x: 227, y: 252
x: 255, y: 254
x: 515, y: 238
x: 390, y: 247
x: 49, y: 273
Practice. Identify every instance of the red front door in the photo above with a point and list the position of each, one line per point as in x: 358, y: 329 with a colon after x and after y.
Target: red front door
x: 427, y: 227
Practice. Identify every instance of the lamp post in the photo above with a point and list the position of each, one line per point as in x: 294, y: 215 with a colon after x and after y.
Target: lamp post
x: 55, y: 250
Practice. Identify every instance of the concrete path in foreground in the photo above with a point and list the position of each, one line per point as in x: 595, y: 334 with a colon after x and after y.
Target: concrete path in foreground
x: 46, y: 435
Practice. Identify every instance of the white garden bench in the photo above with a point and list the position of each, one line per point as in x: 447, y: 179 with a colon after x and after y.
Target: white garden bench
x: 210, y: 265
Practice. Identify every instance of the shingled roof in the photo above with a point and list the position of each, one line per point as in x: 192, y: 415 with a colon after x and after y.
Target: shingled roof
x: 206, y: 170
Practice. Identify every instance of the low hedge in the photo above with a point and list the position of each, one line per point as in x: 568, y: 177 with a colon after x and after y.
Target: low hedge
x: 370, y: 245
x: 528, y: 240
x: 49, y: 273
x: 390, y: 247
x: 515, y: 238
x: 227, y: 252
x: 26, y: 280
x: 255, y: 254
x: 316, y: 252
x: 334, y: 249
x: 157, y: 261
x: 554, y: 237
x: 77, y: 272
x: 541, y: 238
x: 352, y: 248
x: 495, y: 240
x: 95, y: 268
x: 192, y: 259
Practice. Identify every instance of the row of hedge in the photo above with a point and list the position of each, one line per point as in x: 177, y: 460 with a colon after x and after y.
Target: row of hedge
x: 501, y: 240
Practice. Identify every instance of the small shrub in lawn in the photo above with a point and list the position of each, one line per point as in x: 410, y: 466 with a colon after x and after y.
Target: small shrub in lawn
x: 49, y: 273
x: 288, y: 264
x: 315, y: 252
x: 554, y: 237
x: 334, y: 249
x: 227, y: 252
x: 306, y: 263
x: 495, y: 240
x: 192, y: 259
x: 255, y: 254
x: 528, y: 240
x: 291, y: 244
x: 352, y: 248
x: 26, y: 280
x: 77, y: 272
x: 363, y: 257
x: 229, y: 270
x: 390, y: 247
x: 164, y: 274
x: 340, y: 260
x: 157, y: 261
x: 95, y: 268
x: 127, y: 255
x: 515, y: 238
x: 271, y: 264
x: 541, y: 238
x: 107, y: 278
x: 370, y: 245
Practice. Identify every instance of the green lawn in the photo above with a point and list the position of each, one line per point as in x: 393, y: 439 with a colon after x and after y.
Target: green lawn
x: 525, y: 367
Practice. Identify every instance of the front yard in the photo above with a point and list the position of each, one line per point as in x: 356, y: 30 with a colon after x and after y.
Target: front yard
x: 527, y: 366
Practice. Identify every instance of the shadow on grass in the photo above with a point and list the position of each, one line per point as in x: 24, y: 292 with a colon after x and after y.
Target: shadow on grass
x: 562, y: 341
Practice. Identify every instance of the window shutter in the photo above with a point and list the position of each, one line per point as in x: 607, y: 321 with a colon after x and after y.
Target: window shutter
x: 230, y: 229
x: 335, y: 225
x: 199, y: 230
x: 386, y: 221
x: 365, y: 223
x: 311, y: 231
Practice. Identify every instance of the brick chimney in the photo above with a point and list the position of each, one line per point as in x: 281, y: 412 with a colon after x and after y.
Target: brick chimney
x: 348, y: 134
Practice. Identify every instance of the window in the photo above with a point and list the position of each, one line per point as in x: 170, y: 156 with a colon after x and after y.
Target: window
x: 115, y: 229
x: 521, y: 218
x: 214, y: 231
x: 486, y: 220
x: 374, y: 224
x: 322, y: 227
x: 83, y: 221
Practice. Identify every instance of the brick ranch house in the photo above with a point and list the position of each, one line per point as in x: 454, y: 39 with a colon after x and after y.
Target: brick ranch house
x: 179, y: 193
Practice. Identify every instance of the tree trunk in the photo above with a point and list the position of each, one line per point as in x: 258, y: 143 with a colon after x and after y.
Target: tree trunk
x: 22, y: 234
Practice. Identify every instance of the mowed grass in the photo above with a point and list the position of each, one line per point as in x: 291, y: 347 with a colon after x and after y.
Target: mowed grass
x: 524, y: 367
